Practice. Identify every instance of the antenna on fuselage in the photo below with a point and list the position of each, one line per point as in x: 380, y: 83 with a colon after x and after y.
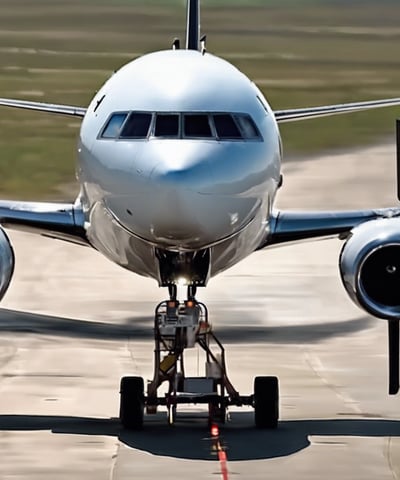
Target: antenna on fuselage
x: 176, y: 44
x: 193, y: 25
x: 398, y: 156
x: 203, y: 44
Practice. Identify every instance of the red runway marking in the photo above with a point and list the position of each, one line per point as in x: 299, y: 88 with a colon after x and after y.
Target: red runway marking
x: 222, y: 457
x: 222, y: 462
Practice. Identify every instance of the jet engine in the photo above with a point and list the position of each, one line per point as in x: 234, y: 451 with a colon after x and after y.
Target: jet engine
x: 7, y: 262
x: 370, y: 268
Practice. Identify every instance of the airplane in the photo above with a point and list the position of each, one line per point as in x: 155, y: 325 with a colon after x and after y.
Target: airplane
x: 179, y: 163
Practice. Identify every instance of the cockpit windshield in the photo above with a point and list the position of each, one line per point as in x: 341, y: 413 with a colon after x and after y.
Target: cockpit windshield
x: 196, y: 125
x: 137, y: 125
x: 226, y: 127
x: 219, y: 126
x: 166, y: 125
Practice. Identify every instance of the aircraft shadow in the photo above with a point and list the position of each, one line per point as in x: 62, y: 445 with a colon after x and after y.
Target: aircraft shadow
x: 288, y: 334
x: 13, y: 321
x: 188, y: 438
x: 141, y: 328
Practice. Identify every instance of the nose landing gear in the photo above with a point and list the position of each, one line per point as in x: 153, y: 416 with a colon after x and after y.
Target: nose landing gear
x: 182, y: 325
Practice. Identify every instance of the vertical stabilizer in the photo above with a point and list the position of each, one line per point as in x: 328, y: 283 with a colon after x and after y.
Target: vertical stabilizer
x: 193, y: 25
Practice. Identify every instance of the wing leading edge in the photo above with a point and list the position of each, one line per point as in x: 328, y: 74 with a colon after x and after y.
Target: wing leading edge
x: 294, y: 226
x: 64, y: 221
x: 44, y: 107
x: 296, y: 114
x: 289, y: 115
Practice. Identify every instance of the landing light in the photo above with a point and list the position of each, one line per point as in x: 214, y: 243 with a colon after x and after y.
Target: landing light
x: 214, y: 431
x: 182, y: 281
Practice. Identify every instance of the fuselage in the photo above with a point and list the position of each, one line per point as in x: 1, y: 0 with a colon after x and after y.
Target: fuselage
x: 179, y: 153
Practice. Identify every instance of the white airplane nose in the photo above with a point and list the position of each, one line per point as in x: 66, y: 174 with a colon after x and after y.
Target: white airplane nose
x: 178, y: 180
x: 195, y: 195
x: 184, y: 214
x: 177, y: 212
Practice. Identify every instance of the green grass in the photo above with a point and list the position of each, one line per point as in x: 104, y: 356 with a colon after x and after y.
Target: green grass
x: 301, y: 53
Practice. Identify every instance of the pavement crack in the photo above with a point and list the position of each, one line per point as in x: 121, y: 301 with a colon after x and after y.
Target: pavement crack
x: 114, y: 460
x: 315, y: 364
x: 7, y: 353
x: 393, y: 470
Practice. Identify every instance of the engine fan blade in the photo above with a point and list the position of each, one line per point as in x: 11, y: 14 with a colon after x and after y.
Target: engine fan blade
x: 398, y: 156
x: 394, y: 359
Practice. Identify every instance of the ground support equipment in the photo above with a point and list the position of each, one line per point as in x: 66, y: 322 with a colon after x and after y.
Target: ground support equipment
x: 178, y: 326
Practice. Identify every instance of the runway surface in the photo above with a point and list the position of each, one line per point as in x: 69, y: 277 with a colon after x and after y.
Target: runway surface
x: 72, y: 324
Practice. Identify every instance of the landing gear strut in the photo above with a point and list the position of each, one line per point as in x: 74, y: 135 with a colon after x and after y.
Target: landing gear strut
x: 182, y: 325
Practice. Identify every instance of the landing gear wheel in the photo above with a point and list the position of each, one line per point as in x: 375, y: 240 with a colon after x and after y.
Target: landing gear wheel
x: 131, y: 411
x: 266, y: 402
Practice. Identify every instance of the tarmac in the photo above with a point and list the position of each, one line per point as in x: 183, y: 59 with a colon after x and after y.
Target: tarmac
x: 72, y: 324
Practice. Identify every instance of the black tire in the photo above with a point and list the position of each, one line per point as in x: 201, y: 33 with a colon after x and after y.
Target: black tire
x: 131, y: 411
x: 266, y: 402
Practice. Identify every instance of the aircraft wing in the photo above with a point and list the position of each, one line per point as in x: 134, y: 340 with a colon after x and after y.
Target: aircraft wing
x: 289, y: 115
x: 281, y: 116
x: 64, y: 221
x: 44, y: 107
x: 295, y: 114
x: 294, y: 226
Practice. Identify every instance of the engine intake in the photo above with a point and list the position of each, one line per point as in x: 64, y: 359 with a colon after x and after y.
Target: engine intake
x: 370, y: 267
x: 7, y: 262
x: 380, y: 275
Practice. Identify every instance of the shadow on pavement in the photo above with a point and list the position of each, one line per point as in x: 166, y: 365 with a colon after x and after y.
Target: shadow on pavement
x: 188, y: 438
x: 141, y: 328
x: 293, y: 334
x: 27, y: 322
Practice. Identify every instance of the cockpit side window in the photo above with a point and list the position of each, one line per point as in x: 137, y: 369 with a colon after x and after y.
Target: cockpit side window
x: 137, y: 125
x: 113, y: 126
x: 196, y: 126
x: 247, y: 127
x: 226, y: 127
x: 167, y: 125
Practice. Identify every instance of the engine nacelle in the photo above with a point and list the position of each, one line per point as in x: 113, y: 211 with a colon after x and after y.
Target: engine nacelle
x: 370, y: 267
x: 7, y: 262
